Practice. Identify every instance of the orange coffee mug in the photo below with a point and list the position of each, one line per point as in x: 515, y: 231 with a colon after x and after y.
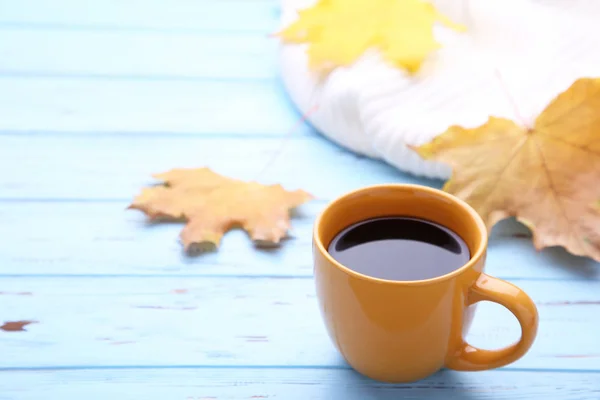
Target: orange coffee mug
x: 402, y: 331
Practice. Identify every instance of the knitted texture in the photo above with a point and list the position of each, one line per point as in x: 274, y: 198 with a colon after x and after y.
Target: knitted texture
x: 515, y: 58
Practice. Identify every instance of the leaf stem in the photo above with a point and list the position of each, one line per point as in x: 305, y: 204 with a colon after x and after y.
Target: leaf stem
x: 303, y: 118
x: 470, y: 21
x: 511, y: 100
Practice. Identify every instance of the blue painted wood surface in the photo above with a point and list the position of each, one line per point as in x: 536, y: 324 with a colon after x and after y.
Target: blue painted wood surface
x: 97, y: 96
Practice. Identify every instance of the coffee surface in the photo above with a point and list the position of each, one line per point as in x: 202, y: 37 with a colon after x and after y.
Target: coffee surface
x: 399, y: 248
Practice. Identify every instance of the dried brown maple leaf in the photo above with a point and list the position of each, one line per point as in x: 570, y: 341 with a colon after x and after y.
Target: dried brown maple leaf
x: 547, y: 176
x: 213, y: 204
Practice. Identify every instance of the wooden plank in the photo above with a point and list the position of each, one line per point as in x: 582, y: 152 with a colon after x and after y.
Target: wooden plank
x: 290, y: 384
x: 187, y: 106
x: 245, y: 322
x: 179, y: 16
x: 80, y: 238
x: 116, y: 167
x: 136, y: 55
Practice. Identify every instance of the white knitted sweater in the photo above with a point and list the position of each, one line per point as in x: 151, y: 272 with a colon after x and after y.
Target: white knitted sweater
x: 516, y: 56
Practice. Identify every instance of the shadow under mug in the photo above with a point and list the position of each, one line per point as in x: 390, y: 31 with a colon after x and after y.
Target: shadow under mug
x: 403, y: 331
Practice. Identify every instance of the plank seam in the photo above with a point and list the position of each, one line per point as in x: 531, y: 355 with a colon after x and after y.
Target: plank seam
x: 246, y: 367
x: 16, y: 74
x: 306, y: 132
x: 69, y: 27
x: 238, y: 276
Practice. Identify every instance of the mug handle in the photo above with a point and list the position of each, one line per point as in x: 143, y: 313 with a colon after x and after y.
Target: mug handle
x: 470, y: 358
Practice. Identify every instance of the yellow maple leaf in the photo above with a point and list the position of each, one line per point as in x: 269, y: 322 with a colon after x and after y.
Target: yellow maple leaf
x: 548, y: 177
x: 340, y: 31
x: 213, y: 204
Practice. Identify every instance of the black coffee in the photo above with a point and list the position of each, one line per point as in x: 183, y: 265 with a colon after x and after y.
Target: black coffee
x: 399, y: 248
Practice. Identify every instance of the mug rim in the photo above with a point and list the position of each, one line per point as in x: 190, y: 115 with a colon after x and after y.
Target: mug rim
x: 475, y: 217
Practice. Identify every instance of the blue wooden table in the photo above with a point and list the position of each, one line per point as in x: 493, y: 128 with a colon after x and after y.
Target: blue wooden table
x: 95, y: 96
